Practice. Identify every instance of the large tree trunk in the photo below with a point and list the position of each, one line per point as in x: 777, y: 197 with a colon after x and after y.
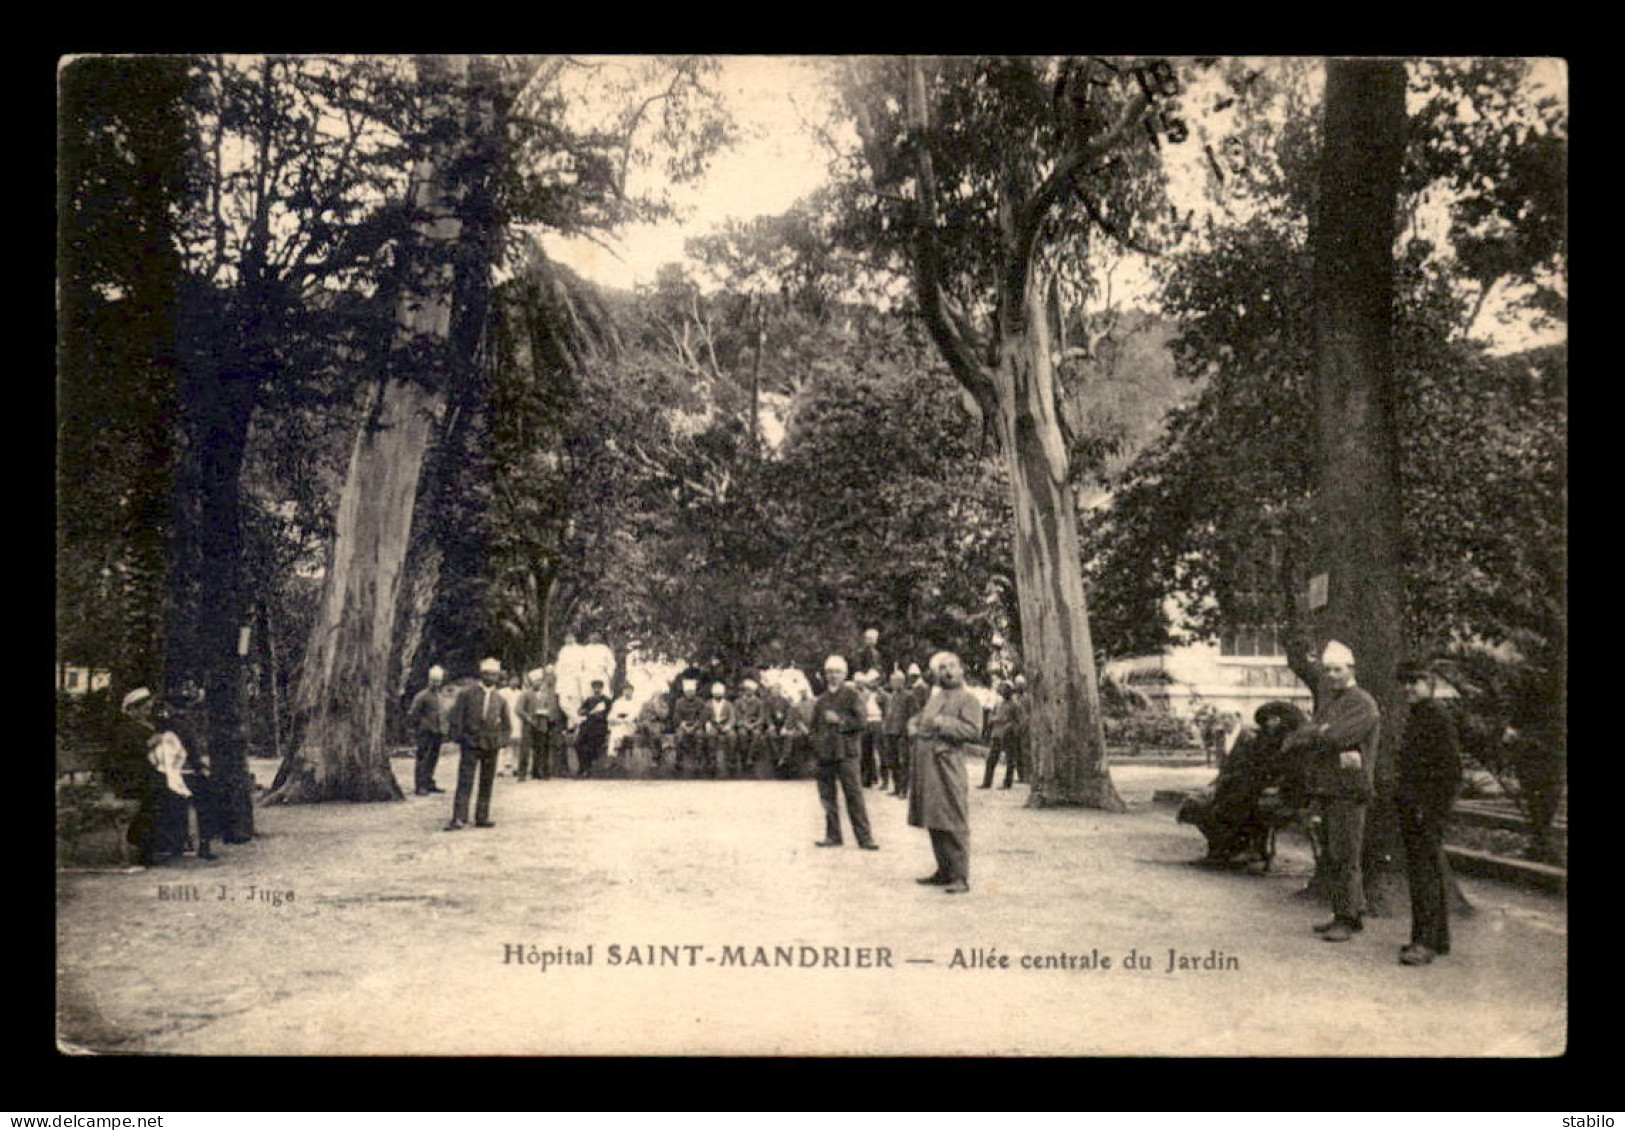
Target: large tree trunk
x: 346, y: 678
x: 1065, y: 734
x: 1352, y: 239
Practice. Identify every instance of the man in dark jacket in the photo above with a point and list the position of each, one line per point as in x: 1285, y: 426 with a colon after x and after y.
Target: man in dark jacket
x: 592, y: 734
x: 837, y: 738
x: 1340, y: 746
x: 1429, y: 777
x: 480, y: 725
x: 427, y: 714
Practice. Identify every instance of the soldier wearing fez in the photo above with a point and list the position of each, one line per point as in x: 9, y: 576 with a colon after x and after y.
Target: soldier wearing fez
x: 1340, y: 745
x: 1429, y: 777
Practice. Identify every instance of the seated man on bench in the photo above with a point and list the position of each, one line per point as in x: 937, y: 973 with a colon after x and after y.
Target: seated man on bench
x: 1258, y: 789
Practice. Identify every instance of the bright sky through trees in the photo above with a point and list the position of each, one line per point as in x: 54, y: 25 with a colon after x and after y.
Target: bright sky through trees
x: 780, y: 158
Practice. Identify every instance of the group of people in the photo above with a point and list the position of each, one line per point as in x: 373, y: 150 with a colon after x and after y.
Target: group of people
x: 1324, y: 768
x: 911, y: 735
x: 908, y: 734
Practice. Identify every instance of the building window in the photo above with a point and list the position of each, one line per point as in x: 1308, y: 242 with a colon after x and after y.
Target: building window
x: 73, y: 678
x: 1251, y: 643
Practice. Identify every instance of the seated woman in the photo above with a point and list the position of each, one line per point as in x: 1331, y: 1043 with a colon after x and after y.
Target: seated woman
x: 1231, y: 814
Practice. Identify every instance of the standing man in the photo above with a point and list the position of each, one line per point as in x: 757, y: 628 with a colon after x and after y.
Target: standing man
x: 999, y: 738
x: 1340, y: 745
x: 427, y: 715
x: 874, y: 712
x: 837, y: 739
x: 1429, y: 777
x: 939, y: 797
x: 540, y: 706
x: 480, y: 725
x: 518, y: 755
x: 592, y: 732
x: 1017, y: 743
x: 894, y: 735
x: 868, y: 654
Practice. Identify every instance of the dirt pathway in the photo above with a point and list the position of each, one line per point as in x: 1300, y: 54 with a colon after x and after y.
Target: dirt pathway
x: 716, y: 927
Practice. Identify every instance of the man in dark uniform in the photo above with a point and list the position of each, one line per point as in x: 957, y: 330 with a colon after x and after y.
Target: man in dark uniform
x: 1340, y: 745
x: 837, y: 739
x: 480, y: 725
x: 427, y: 714
x: 1429, y: 777
x: 592, y: 734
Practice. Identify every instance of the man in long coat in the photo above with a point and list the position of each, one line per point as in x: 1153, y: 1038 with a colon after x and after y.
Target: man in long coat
x: 1340, y: 745
x: 1429, y: 778
x: 939, y: 791
x: 837, y: 739
x: 480, y: 725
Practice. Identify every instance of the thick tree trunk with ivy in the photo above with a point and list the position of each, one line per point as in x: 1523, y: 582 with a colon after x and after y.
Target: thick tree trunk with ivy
x: 1352, y: 238
x: 340, y: 707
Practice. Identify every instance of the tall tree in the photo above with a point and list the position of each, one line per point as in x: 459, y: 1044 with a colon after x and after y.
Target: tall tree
x: 1351, y: 241
x: 1008, y: 166
x: 122, y: 134
x: 493, y: 154
x: 443, y: 270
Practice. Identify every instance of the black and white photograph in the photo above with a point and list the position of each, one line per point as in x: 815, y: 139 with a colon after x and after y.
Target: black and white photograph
x: 717, y: 555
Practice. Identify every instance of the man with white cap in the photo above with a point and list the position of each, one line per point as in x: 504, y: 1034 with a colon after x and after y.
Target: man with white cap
x: 480, y: 725
x: 1340, y: 744
x: 837, y: 738
x: 939, y: 795
x: 427, y: 716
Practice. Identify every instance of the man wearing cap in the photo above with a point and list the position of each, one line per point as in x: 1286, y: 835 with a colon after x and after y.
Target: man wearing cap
x: 480, y: 725
x: 939, y: 795
x: 1429, y: 777
x: 427, y: 716
x: 837, y: 739
x: 1339, y: 745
